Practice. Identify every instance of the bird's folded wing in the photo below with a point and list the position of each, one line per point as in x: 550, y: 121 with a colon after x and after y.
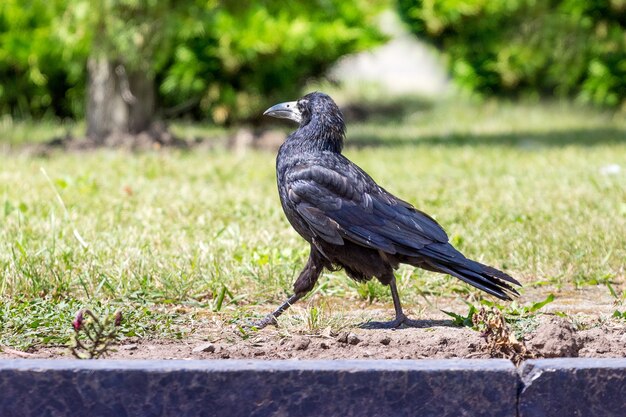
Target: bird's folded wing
x: 347, y: 204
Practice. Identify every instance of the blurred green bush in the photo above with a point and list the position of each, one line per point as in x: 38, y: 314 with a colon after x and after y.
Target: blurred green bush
x: 36, y: 75
x: 219, y: 59
x: 529, y: 47
x: 255, y: 52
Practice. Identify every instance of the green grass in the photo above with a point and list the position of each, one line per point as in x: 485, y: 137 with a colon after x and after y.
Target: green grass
x: 521, y: 187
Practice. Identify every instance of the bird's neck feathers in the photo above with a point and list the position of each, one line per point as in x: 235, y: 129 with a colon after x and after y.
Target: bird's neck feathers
x: 323, y: 132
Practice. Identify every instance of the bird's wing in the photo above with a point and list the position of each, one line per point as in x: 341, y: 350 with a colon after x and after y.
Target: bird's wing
x: 342, y: 202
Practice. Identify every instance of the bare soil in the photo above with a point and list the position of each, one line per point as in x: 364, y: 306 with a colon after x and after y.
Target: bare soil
x: 554, y: 337
x: 566, y: 333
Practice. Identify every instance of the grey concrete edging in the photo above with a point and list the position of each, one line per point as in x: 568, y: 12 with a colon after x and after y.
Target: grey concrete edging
x: 573, y: 387
x: 454, y: 387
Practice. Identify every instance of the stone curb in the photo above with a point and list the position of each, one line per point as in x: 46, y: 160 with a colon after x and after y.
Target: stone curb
x: 551, y: 387
x: 573, y: 387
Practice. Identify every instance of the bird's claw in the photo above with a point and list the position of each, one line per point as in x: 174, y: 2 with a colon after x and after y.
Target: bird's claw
x: 399, y: 322
x: 264, y: 322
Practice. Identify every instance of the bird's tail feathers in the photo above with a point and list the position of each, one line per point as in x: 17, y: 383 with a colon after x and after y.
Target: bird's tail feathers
x: 483, y: 277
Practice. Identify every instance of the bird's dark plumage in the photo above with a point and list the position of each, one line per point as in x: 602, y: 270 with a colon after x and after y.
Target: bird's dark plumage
x: 353, y: 223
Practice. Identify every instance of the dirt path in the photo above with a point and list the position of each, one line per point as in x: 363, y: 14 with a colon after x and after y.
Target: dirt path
x: 579, y: 328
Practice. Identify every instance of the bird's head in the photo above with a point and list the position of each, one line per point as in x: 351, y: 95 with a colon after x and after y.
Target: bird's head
x: 317, y: 114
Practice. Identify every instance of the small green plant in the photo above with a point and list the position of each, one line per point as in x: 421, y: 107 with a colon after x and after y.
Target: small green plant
x: 514, y: 310
x: 93, y: 338
x: 244, y: 331
x: 619, y: 314
x: 314, y: 318
x: 463, y: 321
x: 618, y: 301
x: 219, y: 300
x: 371, y: 291
x: 522, y: 318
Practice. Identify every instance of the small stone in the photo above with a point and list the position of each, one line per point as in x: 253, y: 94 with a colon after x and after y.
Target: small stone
x: 323, y: 345
x: 205, y: 347
x: 353, y: 339
x: 327, y: 332
x: 302, y: 344
x: 343, y: 337
x: 385, y: 340
x: 129, y: 347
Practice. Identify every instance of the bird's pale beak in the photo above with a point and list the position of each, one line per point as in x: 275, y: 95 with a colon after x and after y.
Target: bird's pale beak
x: 288, y: 110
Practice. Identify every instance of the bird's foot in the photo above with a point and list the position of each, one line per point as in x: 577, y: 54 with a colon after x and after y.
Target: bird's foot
x: 270, y: 319
x: 401, y: 321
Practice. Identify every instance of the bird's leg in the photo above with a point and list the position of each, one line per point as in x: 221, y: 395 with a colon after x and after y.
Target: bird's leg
x: 305, y: 283
x: 271, y: 318
x: 401, y: 318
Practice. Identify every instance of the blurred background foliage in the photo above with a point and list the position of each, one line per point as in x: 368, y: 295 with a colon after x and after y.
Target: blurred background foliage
x: 225, y: 60
x: 573, y: 48
x: 221, y: 59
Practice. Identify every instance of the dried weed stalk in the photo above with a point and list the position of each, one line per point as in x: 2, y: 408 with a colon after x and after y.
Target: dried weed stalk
x: 501, y: 341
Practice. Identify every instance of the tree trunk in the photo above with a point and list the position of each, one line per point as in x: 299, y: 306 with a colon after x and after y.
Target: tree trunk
x: 118, y: 103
